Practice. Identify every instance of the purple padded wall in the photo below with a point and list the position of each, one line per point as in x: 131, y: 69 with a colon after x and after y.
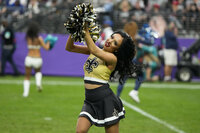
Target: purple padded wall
x: 58, y: 61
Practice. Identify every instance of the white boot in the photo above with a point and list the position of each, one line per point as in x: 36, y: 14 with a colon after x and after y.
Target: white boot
x: 38, y: 80
x: 134, y: 95
x: 167, y: 78
x: 26, y: 88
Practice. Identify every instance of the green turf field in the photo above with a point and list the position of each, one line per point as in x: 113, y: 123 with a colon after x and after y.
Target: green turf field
x: 164, y: 107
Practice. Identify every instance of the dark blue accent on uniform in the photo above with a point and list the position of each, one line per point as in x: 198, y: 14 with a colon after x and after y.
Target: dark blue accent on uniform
x: 94, y: 82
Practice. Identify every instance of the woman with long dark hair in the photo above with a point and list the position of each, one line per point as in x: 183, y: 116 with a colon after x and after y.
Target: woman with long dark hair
x: 33, y: 58
x: 101, y: 106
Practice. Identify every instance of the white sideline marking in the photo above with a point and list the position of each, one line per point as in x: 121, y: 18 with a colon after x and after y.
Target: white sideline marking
x: 171, y: 86
x: 144, y: 85
x: 152, y: 117
x: 47, y: 118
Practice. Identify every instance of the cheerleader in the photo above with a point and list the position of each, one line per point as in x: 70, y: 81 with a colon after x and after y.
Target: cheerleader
x: 33, y: 59
x: 101, y: 106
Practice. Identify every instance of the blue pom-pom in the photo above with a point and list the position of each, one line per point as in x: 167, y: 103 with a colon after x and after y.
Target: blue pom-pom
x: 52, y: 40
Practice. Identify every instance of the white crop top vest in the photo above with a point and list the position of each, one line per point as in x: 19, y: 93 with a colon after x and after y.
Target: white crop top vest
x: 34, y: 46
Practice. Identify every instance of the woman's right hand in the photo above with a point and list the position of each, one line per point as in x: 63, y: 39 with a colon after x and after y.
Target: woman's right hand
x: 71, y: 47
x: 40, y: 38
x: 45, y: 46
x: 86, y: 28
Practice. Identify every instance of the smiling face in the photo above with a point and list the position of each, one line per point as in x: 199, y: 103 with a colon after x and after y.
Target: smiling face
x: 113, y: 43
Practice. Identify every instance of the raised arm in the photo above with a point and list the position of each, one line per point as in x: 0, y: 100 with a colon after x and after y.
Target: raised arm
x: 46, y: 46
x: 108, y: 57
x: 71, y: 47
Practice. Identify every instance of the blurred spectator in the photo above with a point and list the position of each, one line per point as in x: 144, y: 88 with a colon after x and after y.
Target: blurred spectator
x: 24, y: 3
x: 108, y: 7
x: 155, y: 10
x: 51, y: 3
x: 138, y: 13
x: 181, y: 5
x: 148, y: 52
x: 196, y: 2
x: 146, y: 3
x: 2, y: 7
x: 106, y: 33
x: 131, y: 28
x: 159, y: 2
x: 192, y: 16
x: 8, y: 47
x: 17, y: 8
x: 170, y: 44
x: 151, y: 61
x: 123, y: 13
x: 69, y: 4
x: 158, y: 24
x: 33, y: 8
x: 175, y: 14
x: 179, y: 11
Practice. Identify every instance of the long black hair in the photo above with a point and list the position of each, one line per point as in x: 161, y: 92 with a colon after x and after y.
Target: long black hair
x: 125, y: 55
x: 33, y: 30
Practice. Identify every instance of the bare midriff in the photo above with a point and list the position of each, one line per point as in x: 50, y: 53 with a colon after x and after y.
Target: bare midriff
x: 91, y: 86
x: 34, y: 52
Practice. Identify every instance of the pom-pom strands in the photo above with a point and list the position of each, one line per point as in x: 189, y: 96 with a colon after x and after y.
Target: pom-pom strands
x: 75, y: 22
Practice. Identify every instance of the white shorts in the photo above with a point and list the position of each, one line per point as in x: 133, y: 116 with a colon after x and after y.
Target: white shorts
x: 33, y: 62
x: 170, y: 57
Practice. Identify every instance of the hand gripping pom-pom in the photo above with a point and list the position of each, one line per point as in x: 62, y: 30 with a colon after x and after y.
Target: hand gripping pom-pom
x: 75, y: 22
x: 52, y: 40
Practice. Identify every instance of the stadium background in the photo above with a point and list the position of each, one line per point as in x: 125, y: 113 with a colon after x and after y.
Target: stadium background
x: 51, y: 14
x: 59, y: 62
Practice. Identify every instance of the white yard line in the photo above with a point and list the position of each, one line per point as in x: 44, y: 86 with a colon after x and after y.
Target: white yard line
x: 171, y: 86
x: 152, y: 117
x: 144, y: 85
